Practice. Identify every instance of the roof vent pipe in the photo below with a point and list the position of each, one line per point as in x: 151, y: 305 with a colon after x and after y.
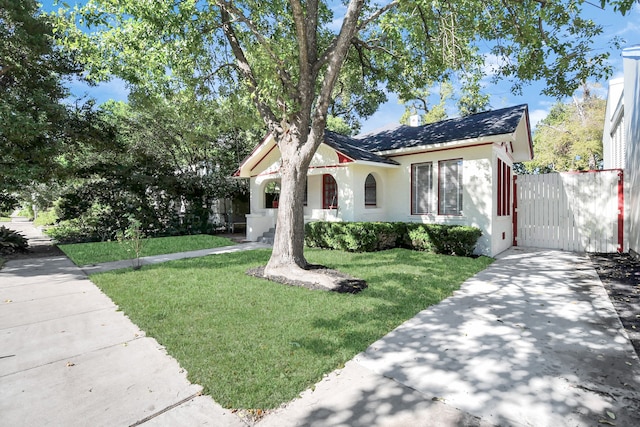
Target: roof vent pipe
x: 414, y: 120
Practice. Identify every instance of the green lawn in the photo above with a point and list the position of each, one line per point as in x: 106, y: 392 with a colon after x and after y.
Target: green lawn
x: 93, y: 253
x: 5, y: 219
x: 255, y: 344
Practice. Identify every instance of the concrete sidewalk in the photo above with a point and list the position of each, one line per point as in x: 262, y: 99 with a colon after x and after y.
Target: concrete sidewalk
x: 68, y: 357
x: 156, y: 259
x: 531, y: 341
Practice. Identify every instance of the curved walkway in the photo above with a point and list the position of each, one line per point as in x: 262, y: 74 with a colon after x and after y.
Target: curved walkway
x: 531, y: 341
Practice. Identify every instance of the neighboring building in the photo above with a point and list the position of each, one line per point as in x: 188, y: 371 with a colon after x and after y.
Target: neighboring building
x: 457, y: 171
x: 621, y: 139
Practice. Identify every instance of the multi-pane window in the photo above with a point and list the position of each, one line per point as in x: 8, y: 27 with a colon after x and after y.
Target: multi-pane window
x: 329, y: 192
x: 450, y: 187
x: 370, y: 191
x: 504, y: 188
x: 421, y: 188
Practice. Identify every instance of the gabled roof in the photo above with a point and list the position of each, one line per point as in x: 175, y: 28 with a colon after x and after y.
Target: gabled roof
x: 512, y: 123
x: 489, y: 123
x: 344, y: 145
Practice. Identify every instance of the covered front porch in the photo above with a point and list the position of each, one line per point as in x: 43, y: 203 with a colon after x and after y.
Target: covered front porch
x: 321, y: 202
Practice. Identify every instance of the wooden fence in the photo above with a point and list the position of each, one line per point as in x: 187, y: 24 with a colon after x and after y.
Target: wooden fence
x: 581, y: 212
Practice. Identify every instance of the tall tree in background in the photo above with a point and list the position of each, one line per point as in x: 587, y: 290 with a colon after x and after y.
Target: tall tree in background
x: 467, y: 94
x: 169, y: 160
x: 570, y: 137
x: 289, y: 55
x: 34, y: 123
x: 422, y: 105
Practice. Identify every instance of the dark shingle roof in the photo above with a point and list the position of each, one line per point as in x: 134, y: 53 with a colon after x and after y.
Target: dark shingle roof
x: 345, y: 145
x: 488, y: 123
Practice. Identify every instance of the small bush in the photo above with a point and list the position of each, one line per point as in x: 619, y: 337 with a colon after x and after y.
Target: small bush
x: 72, y: 231
x: 352, y: 236
x: 26, y: 212
x: 11, y: 241
x: 376, y: 236
x: 45, y: 218
x: 444, y: 239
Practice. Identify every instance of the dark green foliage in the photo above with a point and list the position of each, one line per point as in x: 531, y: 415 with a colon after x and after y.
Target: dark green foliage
x: 166, y: 163
x: 376, y: 236
x: 443, y: 239
x: 11, y: 241
x: 354, y: 236
x: 35, y: 123
x: 8, y: 202
x: 72, y: 231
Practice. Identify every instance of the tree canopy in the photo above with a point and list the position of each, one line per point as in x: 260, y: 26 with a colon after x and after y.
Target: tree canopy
x: 295, y: 58
x: 166, y: 163
x: 34, y: 122
x: 570, y: 137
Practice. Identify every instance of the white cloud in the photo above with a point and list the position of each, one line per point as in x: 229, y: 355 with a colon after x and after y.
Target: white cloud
x: 536, y: 116
x: 492, y: 63
x: 338, y: 10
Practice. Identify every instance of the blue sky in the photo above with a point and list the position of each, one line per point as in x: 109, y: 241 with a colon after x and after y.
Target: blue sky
x: 627, y: 27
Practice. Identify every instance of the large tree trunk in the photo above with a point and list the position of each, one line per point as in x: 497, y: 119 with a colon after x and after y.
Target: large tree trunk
x: 287, y: 263
x: 288, y: 246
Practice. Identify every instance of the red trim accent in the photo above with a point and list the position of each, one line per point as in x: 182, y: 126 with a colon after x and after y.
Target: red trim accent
x: 499, y: 195
x: 620, y: 211
x: 439, y: 149
x: 594, y: 170
x: 343, y: 159
x: 508, y: 190
x: 526, y: 115
x: 515, y: 211
x: 328, y: 167
x: 263, y: 157
x: 253, y: 151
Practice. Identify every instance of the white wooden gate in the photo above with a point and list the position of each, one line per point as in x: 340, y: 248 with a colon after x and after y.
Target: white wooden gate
x: 580, y: 212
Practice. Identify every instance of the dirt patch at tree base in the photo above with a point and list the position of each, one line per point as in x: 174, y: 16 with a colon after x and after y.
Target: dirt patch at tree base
x: 340, y: 281
x: 620, y: 275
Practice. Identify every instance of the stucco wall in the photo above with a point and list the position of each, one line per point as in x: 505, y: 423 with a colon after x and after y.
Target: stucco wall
x: 631, y: 64
x: 394, y: 193
x: 477, y: 191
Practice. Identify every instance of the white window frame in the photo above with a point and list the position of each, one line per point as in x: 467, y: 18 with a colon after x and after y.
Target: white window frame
x: 422, y: 188
x: 450, y: 187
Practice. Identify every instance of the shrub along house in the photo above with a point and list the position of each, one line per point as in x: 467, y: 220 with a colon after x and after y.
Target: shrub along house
x: 457, y: 171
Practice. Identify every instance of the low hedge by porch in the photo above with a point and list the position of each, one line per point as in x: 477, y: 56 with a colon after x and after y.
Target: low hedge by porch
x: 376, y: 236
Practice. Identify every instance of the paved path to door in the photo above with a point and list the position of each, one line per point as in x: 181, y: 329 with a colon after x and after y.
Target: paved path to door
x: 531, y: 341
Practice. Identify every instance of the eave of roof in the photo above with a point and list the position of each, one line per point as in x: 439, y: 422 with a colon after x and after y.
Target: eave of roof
x: 489, y: 123
x: 345, y: 145
x: 501, y: 124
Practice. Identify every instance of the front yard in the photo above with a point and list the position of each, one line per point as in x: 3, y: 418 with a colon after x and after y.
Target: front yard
x: 256, y: 344
x: 93, y: 253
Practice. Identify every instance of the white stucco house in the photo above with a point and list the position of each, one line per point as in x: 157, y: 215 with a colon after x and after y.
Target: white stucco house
x: 621, y: 139
x: 457, y: 171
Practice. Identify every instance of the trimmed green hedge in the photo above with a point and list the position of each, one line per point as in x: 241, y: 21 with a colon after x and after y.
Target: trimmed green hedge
x: 376, y: 236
